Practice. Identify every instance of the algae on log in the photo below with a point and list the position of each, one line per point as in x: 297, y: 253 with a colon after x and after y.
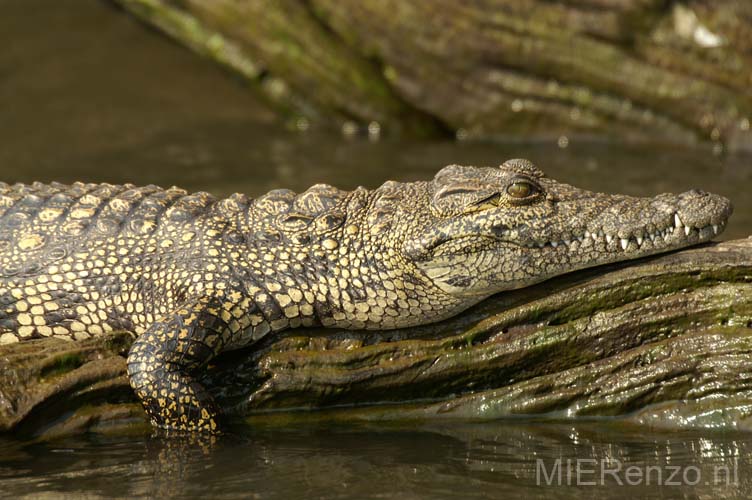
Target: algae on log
x: 679, y: 71
x: 662, y: 341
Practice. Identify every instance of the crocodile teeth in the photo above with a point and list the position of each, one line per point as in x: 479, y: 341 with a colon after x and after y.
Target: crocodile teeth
x: 666, y: 234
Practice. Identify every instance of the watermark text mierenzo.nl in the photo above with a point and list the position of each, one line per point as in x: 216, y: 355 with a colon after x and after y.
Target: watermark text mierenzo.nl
x: 592, y: 472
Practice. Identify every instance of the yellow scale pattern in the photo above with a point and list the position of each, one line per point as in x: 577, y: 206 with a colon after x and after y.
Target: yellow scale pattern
x: 194, y: 276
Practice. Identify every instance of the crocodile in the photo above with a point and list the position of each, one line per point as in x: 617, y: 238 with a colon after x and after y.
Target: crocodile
x: 191, y: 275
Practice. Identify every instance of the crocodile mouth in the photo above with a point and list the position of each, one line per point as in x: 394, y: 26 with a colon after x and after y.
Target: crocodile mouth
x: 677, y: 232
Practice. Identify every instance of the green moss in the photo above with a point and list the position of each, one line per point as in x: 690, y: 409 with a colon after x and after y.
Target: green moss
x: 640, y: 289
x: 63, y: 363
x: 315, y: 74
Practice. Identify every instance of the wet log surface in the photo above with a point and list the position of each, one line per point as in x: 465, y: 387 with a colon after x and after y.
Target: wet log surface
x: 650, y: 69
x: 664, y: 341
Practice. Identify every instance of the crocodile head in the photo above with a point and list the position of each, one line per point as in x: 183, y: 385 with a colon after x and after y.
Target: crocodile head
x: 494, y: 229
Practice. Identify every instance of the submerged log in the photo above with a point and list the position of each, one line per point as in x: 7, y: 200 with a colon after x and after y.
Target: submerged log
x: 665, y: 341
x: 650, y: 69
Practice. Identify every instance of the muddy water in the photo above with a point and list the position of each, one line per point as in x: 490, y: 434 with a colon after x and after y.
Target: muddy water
x: 86, y: 93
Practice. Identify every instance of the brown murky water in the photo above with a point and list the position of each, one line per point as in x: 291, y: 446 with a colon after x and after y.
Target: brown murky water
x: 405, y: 461
x: 87, y: 93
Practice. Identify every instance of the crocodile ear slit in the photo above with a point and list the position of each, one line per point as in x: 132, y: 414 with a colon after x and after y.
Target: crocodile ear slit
x: 486, y: 203
x: 492, y: 199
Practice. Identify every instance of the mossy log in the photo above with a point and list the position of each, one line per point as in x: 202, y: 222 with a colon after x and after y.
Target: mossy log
x: 677, y: 71
x: 665, y: 341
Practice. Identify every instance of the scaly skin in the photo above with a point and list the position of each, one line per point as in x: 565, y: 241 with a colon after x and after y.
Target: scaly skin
x: 193, y: 276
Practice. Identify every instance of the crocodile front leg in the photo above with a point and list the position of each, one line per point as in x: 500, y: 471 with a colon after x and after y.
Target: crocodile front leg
x: 162, y: 360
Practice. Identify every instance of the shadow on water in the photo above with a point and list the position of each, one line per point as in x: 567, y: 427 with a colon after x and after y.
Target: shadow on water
x: 88, y: 94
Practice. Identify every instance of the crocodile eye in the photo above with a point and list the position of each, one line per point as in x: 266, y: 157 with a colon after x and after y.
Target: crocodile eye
x: 521, y: 189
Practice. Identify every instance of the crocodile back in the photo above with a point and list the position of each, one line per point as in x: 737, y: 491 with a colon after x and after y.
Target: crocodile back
x: 65, y: 247
x: 43, y: 223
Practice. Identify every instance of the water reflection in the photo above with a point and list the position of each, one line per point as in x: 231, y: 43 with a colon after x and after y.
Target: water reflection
x: 396, y: 461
